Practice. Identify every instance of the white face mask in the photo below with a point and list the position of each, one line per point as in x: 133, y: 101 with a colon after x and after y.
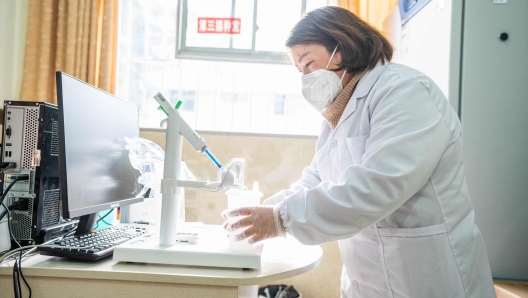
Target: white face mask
x: 321, y: 87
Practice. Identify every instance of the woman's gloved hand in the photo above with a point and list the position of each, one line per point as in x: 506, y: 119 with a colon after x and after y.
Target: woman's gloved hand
x: 262, y: 222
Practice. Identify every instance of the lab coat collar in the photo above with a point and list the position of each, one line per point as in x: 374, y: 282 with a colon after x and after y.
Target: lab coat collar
x: 362, y: 89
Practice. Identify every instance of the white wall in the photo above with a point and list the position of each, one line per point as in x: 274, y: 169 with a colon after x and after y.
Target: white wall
x: 424, y: 43
x: 13, y: 23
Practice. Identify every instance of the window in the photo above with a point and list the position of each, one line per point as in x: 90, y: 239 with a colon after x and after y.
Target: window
x: 219, y: 95
x: 279, y: 104
x: 238, y: 30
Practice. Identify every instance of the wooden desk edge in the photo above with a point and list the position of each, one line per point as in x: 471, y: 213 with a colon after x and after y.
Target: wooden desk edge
x: 511, y: 289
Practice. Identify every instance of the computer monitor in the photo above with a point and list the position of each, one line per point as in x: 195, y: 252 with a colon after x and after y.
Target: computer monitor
x: 94, y: 168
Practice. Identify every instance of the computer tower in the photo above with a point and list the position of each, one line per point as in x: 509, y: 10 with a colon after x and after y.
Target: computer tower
x: 30, y: 139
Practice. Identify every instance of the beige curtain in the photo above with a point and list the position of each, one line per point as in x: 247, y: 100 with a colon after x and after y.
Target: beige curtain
x: 78, y: 37
x: 372, y: 11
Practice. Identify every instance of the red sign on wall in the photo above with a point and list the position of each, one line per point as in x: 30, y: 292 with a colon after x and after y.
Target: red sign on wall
x: 219, y: 25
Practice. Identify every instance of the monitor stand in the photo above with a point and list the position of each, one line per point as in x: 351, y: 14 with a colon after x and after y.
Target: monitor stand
x: 86, y: 223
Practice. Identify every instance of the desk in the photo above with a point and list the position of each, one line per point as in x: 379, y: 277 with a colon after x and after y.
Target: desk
x: 58, y: 277
x: 511, y: 289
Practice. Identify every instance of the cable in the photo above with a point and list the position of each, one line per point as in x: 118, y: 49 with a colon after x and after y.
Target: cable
x: 7, y: 210
x: 32, y: 247
x: 9, y: 226
x: 16, y: 282
x: 108, y: 213
x: 21, y: 274
x: 16, y: 279
x: 17, y: 178
x: 17, y: 268
x: 12, y: 257
x: 16, y: 288
x: 6, y: 166
x: 102, y: 218
x: 66, y: 235
x: 9, y: 253
x: 7, y: 258
x: 16, y: 250
x: 11, y: 207
x: 20, y: 263
x: 105, y: 222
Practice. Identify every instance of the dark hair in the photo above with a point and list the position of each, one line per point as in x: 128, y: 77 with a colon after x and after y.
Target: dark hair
x: 360, y: 44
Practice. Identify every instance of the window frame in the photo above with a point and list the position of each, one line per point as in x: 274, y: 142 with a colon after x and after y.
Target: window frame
x: 223, y: 54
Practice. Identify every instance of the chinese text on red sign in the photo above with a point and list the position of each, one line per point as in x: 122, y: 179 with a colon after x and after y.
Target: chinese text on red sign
x: 219, y: 25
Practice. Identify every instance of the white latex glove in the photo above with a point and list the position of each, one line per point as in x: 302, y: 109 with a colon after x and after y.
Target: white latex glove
x: 262, y: 222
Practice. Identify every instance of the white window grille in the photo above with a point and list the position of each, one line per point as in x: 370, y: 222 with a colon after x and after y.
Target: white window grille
x: 237, y: 30
x: 219, y: 95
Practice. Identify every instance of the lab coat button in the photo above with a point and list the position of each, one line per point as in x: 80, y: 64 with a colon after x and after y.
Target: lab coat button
x: 334, y: 144
x: 355, y: 284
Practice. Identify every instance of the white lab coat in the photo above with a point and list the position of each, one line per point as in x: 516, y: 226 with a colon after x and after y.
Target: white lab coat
x: 388, y: 183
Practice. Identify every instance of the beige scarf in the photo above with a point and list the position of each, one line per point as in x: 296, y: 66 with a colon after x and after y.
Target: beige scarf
x: 333, y: 113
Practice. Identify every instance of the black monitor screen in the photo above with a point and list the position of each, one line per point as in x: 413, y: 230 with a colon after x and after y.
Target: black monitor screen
x: 95, y: 170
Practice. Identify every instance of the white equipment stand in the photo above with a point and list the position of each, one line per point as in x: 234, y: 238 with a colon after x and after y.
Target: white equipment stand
x: 212, y: 247
x: 211, y: 250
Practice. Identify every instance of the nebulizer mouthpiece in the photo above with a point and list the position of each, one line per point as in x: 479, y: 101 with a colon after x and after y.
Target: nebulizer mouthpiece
x: 231, y: 175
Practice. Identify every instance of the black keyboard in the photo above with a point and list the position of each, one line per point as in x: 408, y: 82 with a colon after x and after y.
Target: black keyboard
x: 96, y: 245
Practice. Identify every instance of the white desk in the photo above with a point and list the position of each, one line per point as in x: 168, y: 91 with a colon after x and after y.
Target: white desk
x: 58, y: 277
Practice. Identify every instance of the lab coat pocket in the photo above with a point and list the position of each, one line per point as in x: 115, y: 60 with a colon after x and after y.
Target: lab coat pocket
x: 356, y: 146
x: 420, y: 262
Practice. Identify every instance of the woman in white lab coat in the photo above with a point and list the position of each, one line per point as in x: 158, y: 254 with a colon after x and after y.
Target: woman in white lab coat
x: 387, y: 179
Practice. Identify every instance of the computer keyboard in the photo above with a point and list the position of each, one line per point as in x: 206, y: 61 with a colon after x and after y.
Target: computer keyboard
x: 96, y: 245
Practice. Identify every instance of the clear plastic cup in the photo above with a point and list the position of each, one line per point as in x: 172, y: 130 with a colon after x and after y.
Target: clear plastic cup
x: 237, y: 199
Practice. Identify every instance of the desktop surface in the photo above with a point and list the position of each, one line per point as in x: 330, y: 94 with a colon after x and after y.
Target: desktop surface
x: 281, y: 258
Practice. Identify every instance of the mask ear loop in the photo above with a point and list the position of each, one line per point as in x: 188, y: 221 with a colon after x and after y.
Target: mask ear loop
x: 332, y: 56
x: 343, y: 76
